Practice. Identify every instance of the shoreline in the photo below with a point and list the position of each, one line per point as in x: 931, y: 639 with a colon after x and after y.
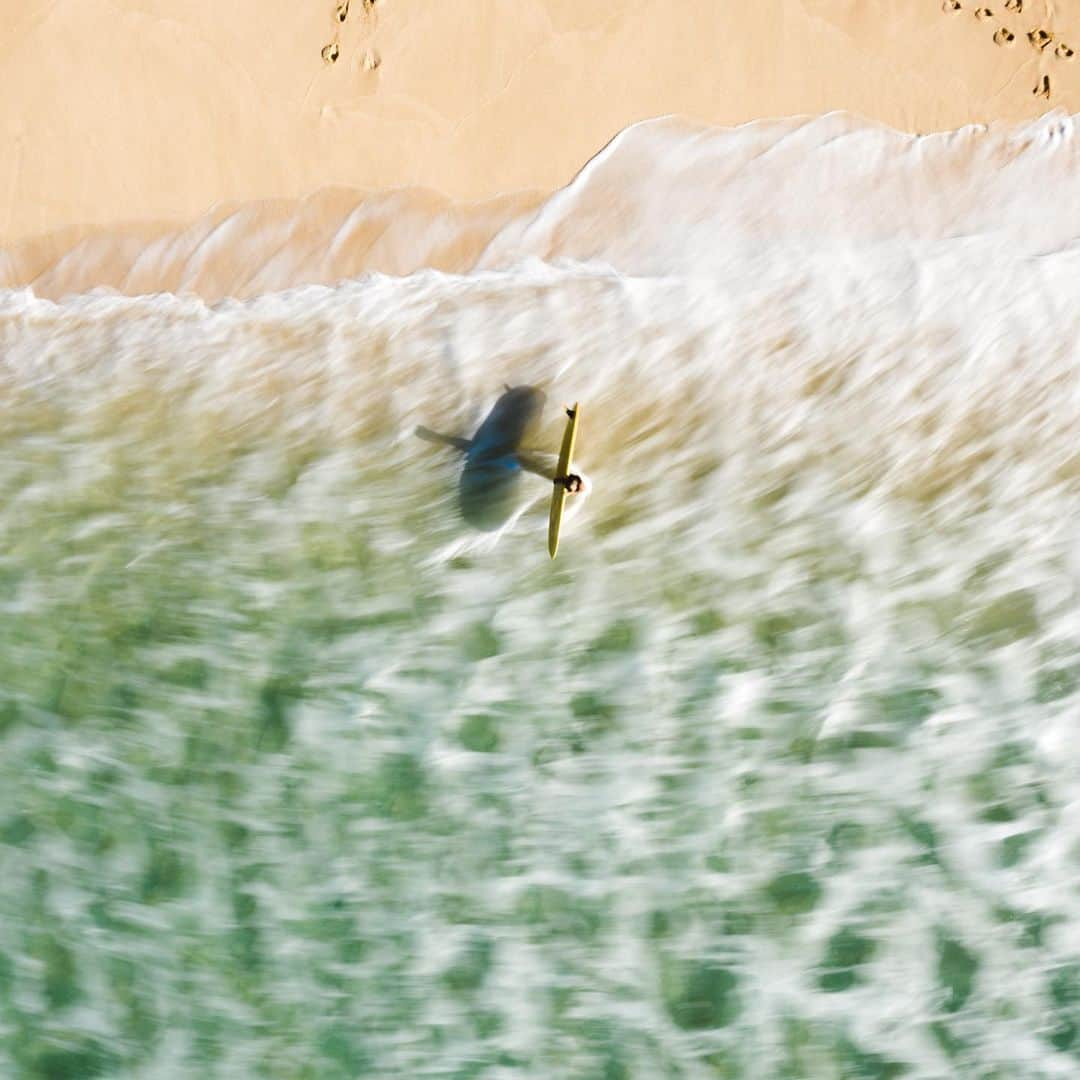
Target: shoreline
x: 121, y: 112
x: 242, y: 250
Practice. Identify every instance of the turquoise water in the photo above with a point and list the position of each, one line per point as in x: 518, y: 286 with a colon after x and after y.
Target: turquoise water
x: 773, y: 773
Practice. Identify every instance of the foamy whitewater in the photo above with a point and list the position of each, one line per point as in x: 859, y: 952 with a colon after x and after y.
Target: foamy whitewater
x: 773, y: 773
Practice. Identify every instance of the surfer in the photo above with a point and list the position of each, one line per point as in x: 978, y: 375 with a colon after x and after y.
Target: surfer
x: 489, y: 491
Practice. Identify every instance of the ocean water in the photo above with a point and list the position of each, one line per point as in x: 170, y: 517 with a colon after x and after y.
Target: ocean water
x: 773, y: 773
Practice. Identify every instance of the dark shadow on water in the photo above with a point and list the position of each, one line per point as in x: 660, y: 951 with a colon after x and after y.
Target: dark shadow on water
x: 489, y: 491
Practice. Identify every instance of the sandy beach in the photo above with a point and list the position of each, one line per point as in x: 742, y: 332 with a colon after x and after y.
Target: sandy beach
x: 128, y: 121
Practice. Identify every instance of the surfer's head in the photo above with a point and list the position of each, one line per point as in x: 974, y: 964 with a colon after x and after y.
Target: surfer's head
x: 578, y: 486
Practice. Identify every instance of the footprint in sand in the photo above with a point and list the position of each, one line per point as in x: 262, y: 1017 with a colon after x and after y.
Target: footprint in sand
x: 1004, y: 37
x: 983, y: 14
x: 343, y: 11
x: 371, y: 60
x: 950, y: 5
x: 1063, y: 52
x: 1014, y: 5
x: 330, y: 53
x: 1040, y: 39
x: 1042, y: 87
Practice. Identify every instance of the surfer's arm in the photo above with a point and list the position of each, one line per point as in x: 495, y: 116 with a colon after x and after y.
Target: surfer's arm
x: 445, y: 440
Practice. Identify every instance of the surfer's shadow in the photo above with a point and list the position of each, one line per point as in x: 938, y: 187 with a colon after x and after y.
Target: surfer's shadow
x: 493, y: 489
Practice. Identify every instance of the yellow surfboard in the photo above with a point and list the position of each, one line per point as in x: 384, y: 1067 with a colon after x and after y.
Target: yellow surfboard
x: 558, y: 495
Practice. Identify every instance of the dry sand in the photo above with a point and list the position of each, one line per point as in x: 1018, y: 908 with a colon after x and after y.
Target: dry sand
x: 123, y: 121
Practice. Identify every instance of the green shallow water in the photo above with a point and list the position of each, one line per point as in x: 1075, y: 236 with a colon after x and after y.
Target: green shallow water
x: 771, y: 774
